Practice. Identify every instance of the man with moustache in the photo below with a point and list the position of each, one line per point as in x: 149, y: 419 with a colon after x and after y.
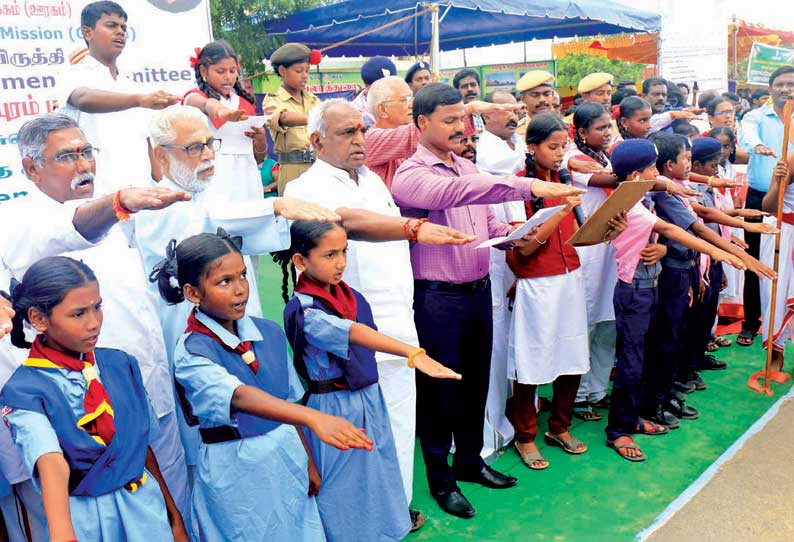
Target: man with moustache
x: 418, y: 76
x: 762, y: 138
x: 536, y: 93
x: 394, y: 137
x: 501, y: 152
x: 452, y: 291
x: 61, y: 163
x: 468, y: 84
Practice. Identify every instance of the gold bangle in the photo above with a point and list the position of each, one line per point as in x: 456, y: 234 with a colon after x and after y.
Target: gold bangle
x: 538, y: 241
x: 414, y: 354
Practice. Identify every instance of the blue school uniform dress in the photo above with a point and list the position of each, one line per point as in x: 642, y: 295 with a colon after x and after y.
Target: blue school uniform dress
x: 111, y: 496
x: 251, y: 480
x: 361, y: 499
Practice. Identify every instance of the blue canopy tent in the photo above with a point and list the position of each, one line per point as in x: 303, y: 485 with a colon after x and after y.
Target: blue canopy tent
x: 458, y: 24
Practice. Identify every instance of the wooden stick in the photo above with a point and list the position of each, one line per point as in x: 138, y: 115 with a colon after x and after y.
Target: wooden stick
x: 780, y: 195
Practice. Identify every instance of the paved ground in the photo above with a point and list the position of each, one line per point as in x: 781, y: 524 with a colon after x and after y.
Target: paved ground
x: 751, y: 496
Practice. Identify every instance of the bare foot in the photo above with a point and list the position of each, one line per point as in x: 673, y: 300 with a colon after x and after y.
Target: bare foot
x: 777, y: 360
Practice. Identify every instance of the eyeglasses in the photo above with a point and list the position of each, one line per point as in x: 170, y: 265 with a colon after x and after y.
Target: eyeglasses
x: 195, y: 149
x: 727, y: 113
x: 69, y: 158
x: 407, y: 100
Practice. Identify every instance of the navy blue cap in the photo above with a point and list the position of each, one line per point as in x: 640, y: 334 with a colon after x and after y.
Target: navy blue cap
x: 705, y: 149
x: 633, y: 155
x: 376, y: 68
x: 421, y: 65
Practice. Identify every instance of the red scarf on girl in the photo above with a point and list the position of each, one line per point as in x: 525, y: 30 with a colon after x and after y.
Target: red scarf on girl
x: 98, y: 418
x: 339, y: 299
x: 244, y: 349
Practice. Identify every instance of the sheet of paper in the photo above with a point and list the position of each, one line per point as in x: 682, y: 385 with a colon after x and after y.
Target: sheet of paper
x: 621, y: 200
x: 234, y: 139
x: 537, y: 219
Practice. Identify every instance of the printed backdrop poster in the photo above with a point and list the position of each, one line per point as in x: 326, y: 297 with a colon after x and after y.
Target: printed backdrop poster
x: 39, y: 37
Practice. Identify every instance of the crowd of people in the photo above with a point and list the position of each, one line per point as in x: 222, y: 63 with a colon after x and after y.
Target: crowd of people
x: 146, y: 398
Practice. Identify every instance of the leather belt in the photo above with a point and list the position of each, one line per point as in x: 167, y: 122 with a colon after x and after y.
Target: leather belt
x: 222, y: 433
x: 327, y: 386
x: 441, y: 286
x: 305, y: 156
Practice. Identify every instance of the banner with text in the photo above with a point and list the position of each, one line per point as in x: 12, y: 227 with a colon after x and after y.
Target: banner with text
x: 764, y: 59
x: 38, y: 39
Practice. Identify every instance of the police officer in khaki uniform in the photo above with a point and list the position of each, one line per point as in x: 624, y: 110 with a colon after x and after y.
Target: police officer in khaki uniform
x: 536, y: 93
x: 291, y: 105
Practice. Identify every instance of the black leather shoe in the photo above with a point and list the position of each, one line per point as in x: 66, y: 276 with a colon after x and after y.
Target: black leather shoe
x: 678, y: 395
x: 683, y: 387
x: 455, y: 504
x: 488, y: 477
x: 710, y: 363
x: 663, y: 417
x: 696, y: 381
x: 681, y: 410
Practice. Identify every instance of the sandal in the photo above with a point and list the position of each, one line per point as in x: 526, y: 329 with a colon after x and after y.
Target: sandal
x: 632, y: 446
x: 529, y: 458
x: 647, y: 427
x: 585, y: 412
x: 602, y: 403
x: 712, y: 346
x: 745, y: 338
x: 570, y: 446
x: 723, y: 342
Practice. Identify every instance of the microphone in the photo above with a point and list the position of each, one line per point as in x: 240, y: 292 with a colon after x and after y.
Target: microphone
x: 565, y: 178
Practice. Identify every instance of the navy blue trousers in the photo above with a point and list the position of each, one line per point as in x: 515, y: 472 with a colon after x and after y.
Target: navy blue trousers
x: 701, y: 320
x: 635, y: 319
x: 670, y: 344
x: 455, y: 328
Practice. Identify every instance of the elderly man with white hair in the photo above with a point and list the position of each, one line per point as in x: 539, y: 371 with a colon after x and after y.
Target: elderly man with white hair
x: 60, y: 163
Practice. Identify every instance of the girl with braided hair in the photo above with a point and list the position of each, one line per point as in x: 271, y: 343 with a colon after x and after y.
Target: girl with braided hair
x: 219, y: 93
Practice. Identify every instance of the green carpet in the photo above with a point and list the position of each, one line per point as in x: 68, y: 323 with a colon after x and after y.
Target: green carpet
x: 595, y: 497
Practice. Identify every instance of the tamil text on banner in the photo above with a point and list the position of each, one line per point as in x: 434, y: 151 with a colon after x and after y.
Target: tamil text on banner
x: 39, y: 39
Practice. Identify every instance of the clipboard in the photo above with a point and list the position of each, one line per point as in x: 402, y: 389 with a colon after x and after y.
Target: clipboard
x: 622, y: 199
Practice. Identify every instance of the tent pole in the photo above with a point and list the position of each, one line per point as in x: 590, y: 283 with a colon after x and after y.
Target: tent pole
x: 435, y: 49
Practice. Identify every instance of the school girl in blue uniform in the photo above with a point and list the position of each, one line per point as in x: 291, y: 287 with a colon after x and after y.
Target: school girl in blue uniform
x: 254, y: 479
x: 81, y: 417
x: 330, y: 328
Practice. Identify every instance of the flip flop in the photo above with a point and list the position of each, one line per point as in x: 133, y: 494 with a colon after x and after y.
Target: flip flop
x: 655, y: 428
x: 745, y: 338
x: 529, y: 458
x: 585, y: 412
x: 723, y: 342
x: 632, y: 446
x: 569, y: 446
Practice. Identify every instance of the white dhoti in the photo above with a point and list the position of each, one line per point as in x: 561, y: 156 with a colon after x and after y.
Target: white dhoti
x: 548, y: 331
x: 784, y: 302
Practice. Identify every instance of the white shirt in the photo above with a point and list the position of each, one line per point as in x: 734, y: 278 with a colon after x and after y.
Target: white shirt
x: 123, y: 158
x: 380, y: 271
x: 130, y: 323
x: 153, y: 230
x: 495, y: 156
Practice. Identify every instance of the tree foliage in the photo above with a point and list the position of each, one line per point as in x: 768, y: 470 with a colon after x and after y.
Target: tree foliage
x: 241, y: 23
x: 572, y: 68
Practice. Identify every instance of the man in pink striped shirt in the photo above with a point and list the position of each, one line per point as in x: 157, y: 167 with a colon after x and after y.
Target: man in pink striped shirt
x: 452, y: 291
